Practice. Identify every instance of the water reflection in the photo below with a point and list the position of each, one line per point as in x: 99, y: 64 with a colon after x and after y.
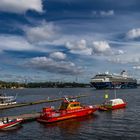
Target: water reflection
x: 118, y: 113
x: 10, y: 130
x: 71, y: 125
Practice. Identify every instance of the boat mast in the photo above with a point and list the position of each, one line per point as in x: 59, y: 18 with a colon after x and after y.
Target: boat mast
x: 115, y: 93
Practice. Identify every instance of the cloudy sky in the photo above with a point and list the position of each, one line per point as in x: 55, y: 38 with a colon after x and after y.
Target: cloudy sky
x: 68, y: 40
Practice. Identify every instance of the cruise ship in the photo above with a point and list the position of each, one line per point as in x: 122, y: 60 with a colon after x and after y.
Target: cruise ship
x: 111, y: 81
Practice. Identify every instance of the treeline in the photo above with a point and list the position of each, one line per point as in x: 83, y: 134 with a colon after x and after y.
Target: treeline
x: 4, y: 85
x: 56, y: 85
x: 42, y: 85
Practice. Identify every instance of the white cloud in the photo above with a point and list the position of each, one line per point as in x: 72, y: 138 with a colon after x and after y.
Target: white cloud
x: 103, y: 13
x: 125, y: 60
x: 18, y: 43
x: 44, y: 32
x: 136, y: 67
x: 20, y: 6
x: 83, y: 47
x: 52, y: 66
x: 87, y: 51
x: 117, y: 60
x: 58, y: 55
x: 79, y: 47
x: 107, y: 13
x: 120, y: 52
x: 117, y: 52
x: 134, y: 33
x: 129, y: 55
x: 14, y: 43
x: 101, y: 47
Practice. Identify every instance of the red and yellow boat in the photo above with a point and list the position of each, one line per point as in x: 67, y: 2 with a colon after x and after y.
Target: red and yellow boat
x: 68, y: 109
x: 112, y: 104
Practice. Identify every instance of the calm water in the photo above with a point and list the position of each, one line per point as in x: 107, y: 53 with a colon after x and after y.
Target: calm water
x: 122, y: 124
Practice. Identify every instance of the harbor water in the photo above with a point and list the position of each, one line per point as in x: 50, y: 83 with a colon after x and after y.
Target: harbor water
x: 121, y: 124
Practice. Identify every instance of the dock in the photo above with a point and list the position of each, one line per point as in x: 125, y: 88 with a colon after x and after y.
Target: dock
x: 37, y: 102
x: 31, y: 116
x: 25, y: 117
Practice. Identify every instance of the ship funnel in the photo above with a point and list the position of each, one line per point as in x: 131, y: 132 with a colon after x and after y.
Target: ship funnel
x: 123, y: 72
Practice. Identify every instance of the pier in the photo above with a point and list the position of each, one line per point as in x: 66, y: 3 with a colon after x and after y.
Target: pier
x: 25, y: 117
x: 36, y: 102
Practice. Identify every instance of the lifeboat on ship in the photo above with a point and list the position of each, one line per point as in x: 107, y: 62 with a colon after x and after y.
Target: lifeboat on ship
x: 68, y: 109
x: 112, y: 104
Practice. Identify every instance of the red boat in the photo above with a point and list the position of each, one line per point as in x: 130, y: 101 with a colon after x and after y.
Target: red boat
x: 68, y: 109
x: 6, y: 124
x: 112, y: 104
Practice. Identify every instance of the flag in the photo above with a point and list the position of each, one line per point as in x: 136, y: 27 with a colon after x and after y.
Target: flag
x: 106, y: 96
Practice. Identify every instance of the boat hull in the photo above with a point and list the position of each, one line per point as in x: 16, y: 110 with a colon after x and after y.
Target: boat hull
x: 10, y: 124
x: 118, y: 106
x: 67, y: 115
x: 105, y: 108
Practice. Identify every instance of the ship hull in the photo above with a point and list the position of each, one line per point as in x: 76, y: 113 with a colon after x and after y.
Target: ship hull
x: 67, y: 115
x: 113, y: 85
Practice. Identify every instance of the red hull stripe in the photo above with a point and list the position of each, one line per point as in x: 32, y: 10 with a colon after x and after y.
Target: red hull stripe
x: 105, y: 108
x: 11, y: 124
x: 119, y: 106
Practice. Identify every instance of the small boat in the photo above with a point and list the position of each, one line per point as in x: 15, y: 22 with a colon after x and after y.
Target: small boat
x: 112, y: 104
x: 68, y: 109
x: 7, y: 100
x: 7, y: 124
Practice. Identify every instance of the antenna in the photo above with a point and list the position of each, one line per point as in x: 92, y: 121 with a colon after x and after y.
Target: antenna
x: 4, y: 94
x: 16, y: 95
x: 66, y: 98
x: 48, y: 98
x: 60, y: 92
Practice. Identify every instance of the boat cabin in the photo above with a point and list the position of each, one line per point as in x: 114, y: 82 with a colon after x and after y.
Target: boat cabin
x: 114, y: 102
x: 6, y: 100
x: 70, y: 104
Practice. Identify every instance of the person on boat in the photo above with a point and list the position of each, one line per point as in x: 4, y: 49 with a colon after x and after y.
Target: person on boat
x: 7, y: 120
x: 3, y: 120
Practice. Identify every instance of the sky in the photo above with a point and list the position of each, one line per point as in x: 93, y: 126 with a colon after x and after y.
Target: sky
x: 68, y: 40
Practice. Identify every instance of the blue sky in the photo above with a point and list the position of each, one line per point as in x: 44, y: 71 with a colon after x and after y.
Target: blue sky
x: 65, y: 40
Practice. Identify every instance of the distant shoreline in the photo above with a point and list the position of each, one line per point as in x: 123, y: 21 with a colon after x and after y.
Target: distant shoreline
x: 16, y: 85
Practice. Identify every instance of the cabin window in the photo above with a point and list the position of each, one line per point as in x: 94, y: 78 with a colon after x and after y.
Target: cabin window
x: 64, y: 105
x: 1, y: 101
x: 108, y: 103
x: 74, y: 105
